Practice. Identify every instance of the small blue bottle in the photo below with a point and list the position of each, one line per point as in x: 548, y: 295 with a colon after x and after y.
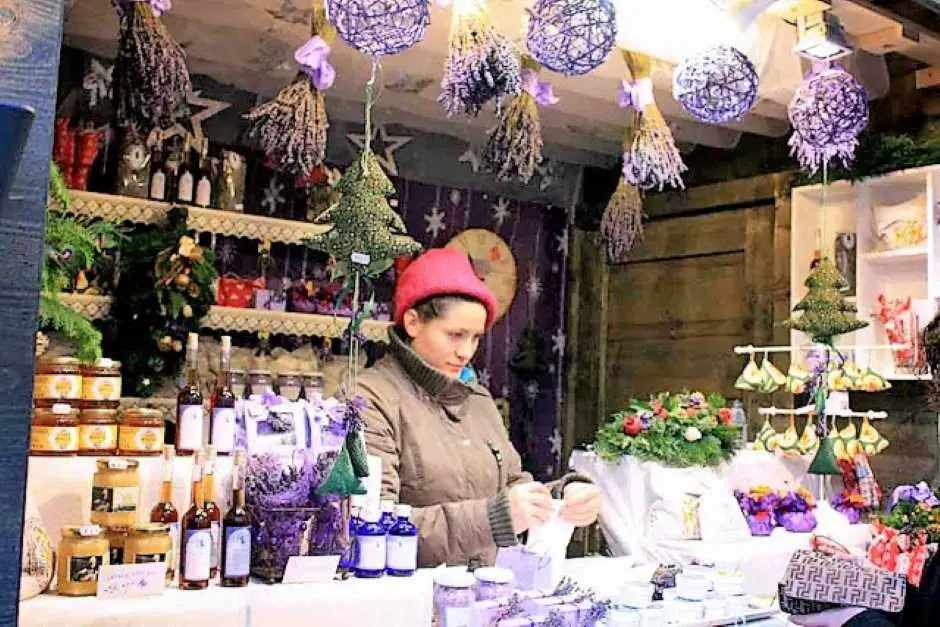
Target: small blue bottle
x: 370, y: 546
x: 402, y: 556
x: 388, y: 515
x: 347, y: 561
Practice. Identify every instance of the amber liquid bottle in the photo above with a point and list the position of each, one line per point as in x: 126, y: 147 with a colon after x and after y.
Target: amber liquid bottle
x: 196, y: 546
x: 189, y: 410
x: 236, y: 530
x: 222, y: 424
x: 165, y: 512
x: 215, y: 514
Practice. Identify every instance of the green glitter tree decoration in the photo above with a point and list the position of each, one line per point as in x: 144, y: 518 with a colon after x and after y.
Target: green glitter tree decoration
x: 342, y: 480
x: 825, y: 311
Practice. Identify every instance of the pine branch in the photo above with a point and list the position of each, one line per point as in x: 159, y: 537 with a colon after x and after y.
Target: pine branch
x: 54, y: 315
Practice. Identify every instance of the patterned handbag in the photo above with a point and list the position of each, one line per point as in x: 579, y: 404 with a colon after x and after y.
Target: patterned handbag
x: 815, y: 582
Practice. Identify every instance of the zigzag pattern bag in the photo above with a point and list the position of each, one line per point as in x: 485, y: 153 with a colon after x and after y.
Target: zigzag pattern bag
x: 815, y: 582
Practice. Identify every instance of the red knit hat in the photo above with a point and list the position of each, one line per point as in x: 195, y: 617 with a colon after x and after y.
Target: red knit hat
x: 440, y: 272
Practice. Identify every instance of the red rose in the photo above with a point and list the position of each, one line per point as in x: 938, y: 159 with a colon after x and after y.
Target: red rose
x: 632, y: 425
x: 661, y: 413
x: 724, y: 416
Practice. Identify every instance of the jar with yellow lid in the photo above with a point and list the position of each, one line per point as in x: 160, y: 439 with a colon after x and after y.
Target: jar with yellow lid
x: 148, y: 543
x: 141, y: 432
x: 115, y: 493
x: 57, y: 379
x: 117, y: 541
x: 54, y: 431
x: 101, y: 384
x: 290, y: 385
x: 82, y: 553
x: 97, y: 432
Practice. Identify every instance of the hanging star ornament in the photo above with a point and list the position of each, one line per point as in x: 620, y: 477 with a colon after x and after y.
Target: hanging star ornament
x: 389, y: 143
x: 470, y: 158
x: 210, y: 108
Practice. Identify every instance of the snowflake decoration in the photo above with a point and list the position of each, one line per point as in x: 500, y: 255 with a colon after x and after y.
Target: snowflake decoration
x: 533, y: 286
x: 470, y: 158
x: 555, y: 441
x: 500, y: 212
x: 484, y: 378
x: 561, y: 240
x: 435, y: 220
x: 532, y: 390
x: 558, y: 342
x: 273, y: 196
x: 455, y: 196
x: 546, y: 170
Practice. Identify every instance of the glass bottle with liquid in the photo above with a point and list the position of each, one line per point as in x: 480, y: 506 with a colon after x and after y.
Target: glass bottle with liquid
x: 189, y: 409
x: 187, y: 177
x: 157, y: 175
x: 388, y: 515
x: 371, y: 546
x: 165, y: 512
x: 204, y: 185
x: 236, y: 530
x: 213, y: 510
x: 222, y: 423
x: 196, y: 545
x: 402, y: 551
x: 347, y: 561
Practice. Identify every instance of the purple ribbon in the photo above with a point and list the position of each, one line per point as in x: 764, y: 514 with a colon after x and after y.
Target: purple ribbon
x: 312, y: 56
x: 540, y: 90
x: 637, y: 94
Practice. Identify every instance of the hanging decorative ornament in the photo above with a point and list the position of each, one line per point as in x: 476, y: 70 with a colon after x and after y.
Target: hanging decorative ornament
x: 828, y: 111
x: 292, y: 128
x: 150, y: 73
x: 716, y: 86
x: 481, y: 63
x: 622, y: 223
x: 514, y: 147
x: 572, y: 37
x: 380, y: 27
x: 652, y: 159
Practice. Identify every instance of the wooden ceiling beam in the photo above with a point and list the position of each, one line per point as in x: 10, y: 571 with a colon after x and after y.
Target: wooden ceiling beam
x: 927, y: 77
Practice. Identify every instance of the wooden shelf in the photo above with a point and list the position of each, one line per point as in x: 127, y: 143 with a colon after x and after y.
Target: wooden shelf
x: 143, y: 211
x: 900, y: 255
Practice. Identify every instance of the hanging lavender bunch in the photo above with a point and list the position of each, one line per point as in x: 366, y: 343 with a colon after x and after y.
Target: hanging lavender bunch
x: 481, y: 64
x: 292, y: 128
x: 652, y: 159
x: 150, y: 75
x: 514, y: 147
x: 622, y: 223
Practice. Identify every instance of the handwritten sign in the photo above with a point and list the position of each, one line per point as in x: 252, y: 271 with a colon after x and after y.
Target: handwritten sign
x: 131, y: 580
x: 311, y: 569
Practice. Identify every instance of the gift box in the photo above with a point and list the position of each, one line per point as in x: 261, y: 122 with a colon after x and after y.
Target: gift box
x: 233, y: 291
x: 271, y: 300
x: 899, y: 553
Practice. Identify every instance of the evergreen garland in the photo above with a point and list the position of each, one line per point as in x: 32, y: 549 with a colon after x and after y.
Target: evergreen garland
x: 879, y: 154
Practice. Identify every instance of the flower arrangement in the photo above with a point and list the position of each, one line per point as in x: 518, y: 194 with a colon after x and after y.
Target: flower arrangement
x: 795, y: 510
x: 759, y: 508
x: 914, y: 510
x: 849, y: 504
x: 678, y: 430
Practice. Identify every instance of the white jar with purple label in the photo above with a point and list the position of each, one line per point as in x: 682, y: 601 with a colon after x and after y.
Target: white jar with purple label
x: 493, y: 582
x: 454, y: 596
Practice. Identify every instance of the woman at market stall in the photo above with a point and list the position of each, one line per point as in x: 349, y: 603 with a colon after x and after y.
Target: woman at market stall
x: 443, y: 445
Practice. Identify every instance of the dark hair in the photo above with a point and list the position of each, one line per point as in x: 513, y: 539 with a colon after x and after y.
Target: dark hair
x: 437, y: 306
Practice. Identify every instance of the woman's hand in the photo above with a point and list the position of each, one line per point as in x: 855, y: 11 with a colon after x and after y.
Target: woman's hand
x: 580, y: 503
x: 530, y: 504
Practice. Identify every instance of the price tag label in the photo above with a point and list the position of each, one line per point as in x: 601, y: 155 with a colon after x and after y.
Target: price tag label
x: 311, y: 568
x: 361, y: 259
x: 131, y: 580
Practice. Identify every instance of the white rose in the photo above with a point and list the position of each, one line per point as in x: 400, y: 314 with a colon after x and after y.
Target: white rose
x: 692, y: 434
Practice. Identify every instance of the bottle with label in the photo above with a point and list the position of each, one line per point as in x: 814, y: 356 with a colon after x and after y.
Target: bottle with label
x: 739, y: 419
x: 189, y: 410
x: 236, y: 530
x: 347, y: 561
x: 172, y: 167
x: 196, y: 544
x: 204, y: 186
x: 402, y: 553
x: 187, y: 179
x: 371, y: 546
x: 165, y: 512
x: 215, y: 514
x: 222, y: 424
x: 388, y: 515
x: 157, y: 174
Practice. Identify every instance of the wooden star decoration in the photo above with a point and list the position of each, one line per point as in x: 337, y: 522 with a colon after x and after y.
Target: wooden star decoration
x: 470, y: 158
x: 210, y: 108
x: 389, y: 144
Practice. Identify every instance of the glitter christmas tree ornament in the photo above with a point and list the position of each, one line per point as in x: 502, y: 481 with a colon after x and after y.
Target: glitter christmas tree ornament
x: 481, y: 62
x: 828, y: 111
x: 571, y: 37
x: 716, y: 86
x: 825, y: 311
x: 380, y: 27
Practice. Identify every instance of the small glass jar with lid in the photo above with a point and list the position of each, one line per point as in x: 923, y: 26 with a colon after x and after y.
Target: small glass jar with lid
x: 117, y: 541
x: 453, y: 595
x: 493, y: 582
x: 97, y: 432
x: 54, y: 431
x: 82, y: 553
x: 290, y: 385
x: 260, y: 381
x: 57, y: 379
x: 237, y: 381
x: 115, y: 492
x: 147, y: 543
x: 141, y: 432
x: 101, y: 384
x: 313, y: 385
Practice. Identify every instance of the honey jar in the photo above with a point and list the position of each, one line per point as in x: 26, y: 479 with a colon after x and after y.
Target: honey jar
x: 260, y: 382
x: 54, y: 431
x: 57, y: 379
x: 147, y: 543
x: 313, y: 385
x: 101, y: 384
x: 237, y: 381
x: 115, y: 493
x: 97, y: 432
x: 290, y: 385
x: 117, y: 540
x: 82, y: 553
x: 141, y: 432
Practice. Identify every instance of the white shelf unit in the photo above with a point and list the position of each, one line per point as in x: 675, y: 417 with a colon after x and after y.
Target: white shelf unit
x: 863, y: 208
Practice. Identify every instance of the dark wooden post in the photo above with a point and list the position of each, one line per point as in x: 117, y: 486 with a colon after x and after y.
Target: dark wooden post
x: 30, y: 40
